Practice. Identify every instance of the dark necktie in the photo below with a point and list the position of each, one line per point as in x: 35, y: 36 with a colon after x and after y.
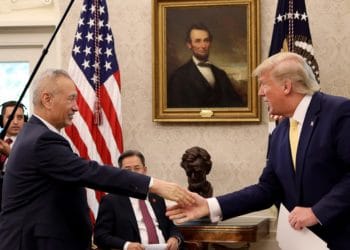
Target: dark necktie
x: 150, y: 227
x: 3, y: 157
x: 204, y: 64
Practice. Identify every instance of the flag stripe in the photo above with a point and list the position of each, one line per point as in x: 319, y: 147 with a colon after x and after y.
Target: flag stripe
x: 113, y: 118
x: 96, y: 132
x: 76, y: 140
x: 108, y: 90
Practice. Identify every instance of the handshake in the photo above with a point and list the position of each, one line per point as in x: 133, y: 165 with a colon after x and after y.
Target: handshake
x: 190, y: 206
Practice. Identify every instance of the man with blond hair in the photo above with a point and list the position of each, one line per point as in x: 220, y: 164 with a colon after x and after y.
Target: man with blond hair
x: 309, y: 175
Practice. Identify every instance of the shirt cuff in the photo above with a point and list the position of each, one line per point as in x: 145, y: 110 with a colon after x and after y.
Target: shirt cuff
x: 125, y: 247
x: 150, y: 183
x: 214, y: 210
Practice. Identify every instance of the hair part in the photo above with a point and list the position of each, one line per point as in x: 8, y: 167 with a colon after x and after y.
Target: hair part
x: 129, y: 153
x: 289, y: 65
x: 198, y: 26
x: 47, y: 81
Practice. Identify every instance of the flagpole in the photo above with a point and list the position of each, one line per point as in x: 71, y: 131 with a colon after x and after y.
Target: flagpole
x: 44, y: 52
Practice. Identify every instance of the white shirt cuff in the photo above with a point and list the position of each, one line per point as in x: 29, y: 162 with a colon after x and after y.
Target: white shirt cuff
x: 214, y: 209
x: 150, y: 183
x: 125, y: 247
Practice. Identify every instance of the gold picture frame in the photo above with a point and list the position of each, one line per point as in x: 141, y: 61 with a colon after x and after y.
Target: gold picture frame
x: 235, y: 48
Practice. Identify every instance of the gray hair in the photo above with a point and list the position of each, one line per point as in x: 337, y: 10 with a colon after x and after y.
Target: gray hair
x: 288, y: 65
x: 46, y: 81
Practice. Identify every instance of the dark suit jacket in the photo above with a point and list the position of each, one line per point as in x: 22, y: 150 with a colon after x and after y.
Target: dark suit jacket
x: 187, y: 88
x: 322, y: 177
x: 116, y: 222
x: 44, y: 199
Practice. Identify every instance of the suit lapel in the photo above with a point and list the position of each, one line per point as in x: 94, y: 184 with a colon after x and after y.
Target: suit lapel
x: 157, y: 207
x: 128, y: 207
x: 309, y: 125
x: 198, y: 78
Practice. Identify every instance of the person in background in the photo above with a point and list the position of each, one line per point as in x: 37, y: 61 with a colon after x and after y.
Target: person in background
x: 44, y: 198
x: 198, y: 83
x: 15, y: 126
x: 309, y: 175
x: 120, y: 222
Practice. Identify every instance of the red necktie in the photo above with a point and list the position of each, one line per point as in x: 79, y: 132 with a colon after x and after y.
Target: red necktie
x: 147, y: 219
x: 3, y: 157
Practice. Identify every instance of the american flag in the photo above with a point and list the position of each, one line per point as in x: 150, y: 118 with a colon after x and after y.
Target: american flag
x: 292, y: 33
x: 96, y: 131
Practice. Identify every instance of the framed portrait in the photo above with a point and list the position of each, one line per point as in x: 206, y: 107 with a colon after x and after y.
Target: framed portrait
x: 203, y: 55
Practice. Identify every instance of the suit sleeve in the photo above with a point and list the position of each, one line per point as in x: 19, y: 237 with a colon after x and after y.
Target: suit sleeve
x: 56, y: 160
x: 252, y: 198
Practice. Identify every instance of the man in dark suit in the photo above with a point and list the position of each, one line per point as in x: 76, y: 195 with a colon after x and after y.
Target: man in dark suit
x: 44, y: 199
x: 119, y: 222
x: 315, y: 189
x: 198, y: 83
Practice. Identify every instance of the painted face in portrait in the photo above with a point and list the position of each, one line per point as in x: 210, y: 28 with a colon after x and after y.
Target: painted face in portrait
x: 200, y: 44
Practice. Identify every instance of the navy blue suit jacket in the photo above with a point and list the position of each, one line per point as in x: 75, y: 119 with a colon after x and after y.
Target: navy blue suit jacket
x: 44, y: 199
x: 322, y: 177
x: 116, y: 222
x: 187, y: 88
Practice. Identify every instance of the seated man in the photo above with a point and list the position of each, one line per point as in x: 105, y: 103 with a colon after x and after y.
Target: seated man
x: 121, y: 222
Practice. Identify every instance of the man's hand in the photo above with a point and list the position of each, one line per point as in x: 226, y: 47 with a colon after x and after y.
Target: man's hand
x: 301, y: 217
x: 172, y: 244
x: 135, y: 246
x: 172, y: 191
x: 181, y: 214
x: 4, y: 148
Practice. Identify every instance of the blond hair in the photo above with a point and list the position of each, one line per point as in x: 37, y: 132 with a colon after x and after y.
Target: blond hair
x: 288, y: 65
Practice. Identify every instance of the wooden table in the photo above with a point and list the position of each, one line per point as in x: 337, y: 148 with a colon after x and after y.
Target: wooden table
x: 235, y: 231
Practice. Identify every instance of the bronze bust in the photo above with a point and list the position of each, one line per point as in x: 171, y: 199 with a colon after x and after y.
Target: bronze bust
x: 197, y: 164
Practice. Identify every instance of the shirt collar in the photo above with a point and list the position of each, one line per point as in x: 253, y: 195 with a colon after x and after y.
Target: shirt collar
x: 48, y: 125
x: 196, y: 61
x: 13, y: 138
x: 300, y: 111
